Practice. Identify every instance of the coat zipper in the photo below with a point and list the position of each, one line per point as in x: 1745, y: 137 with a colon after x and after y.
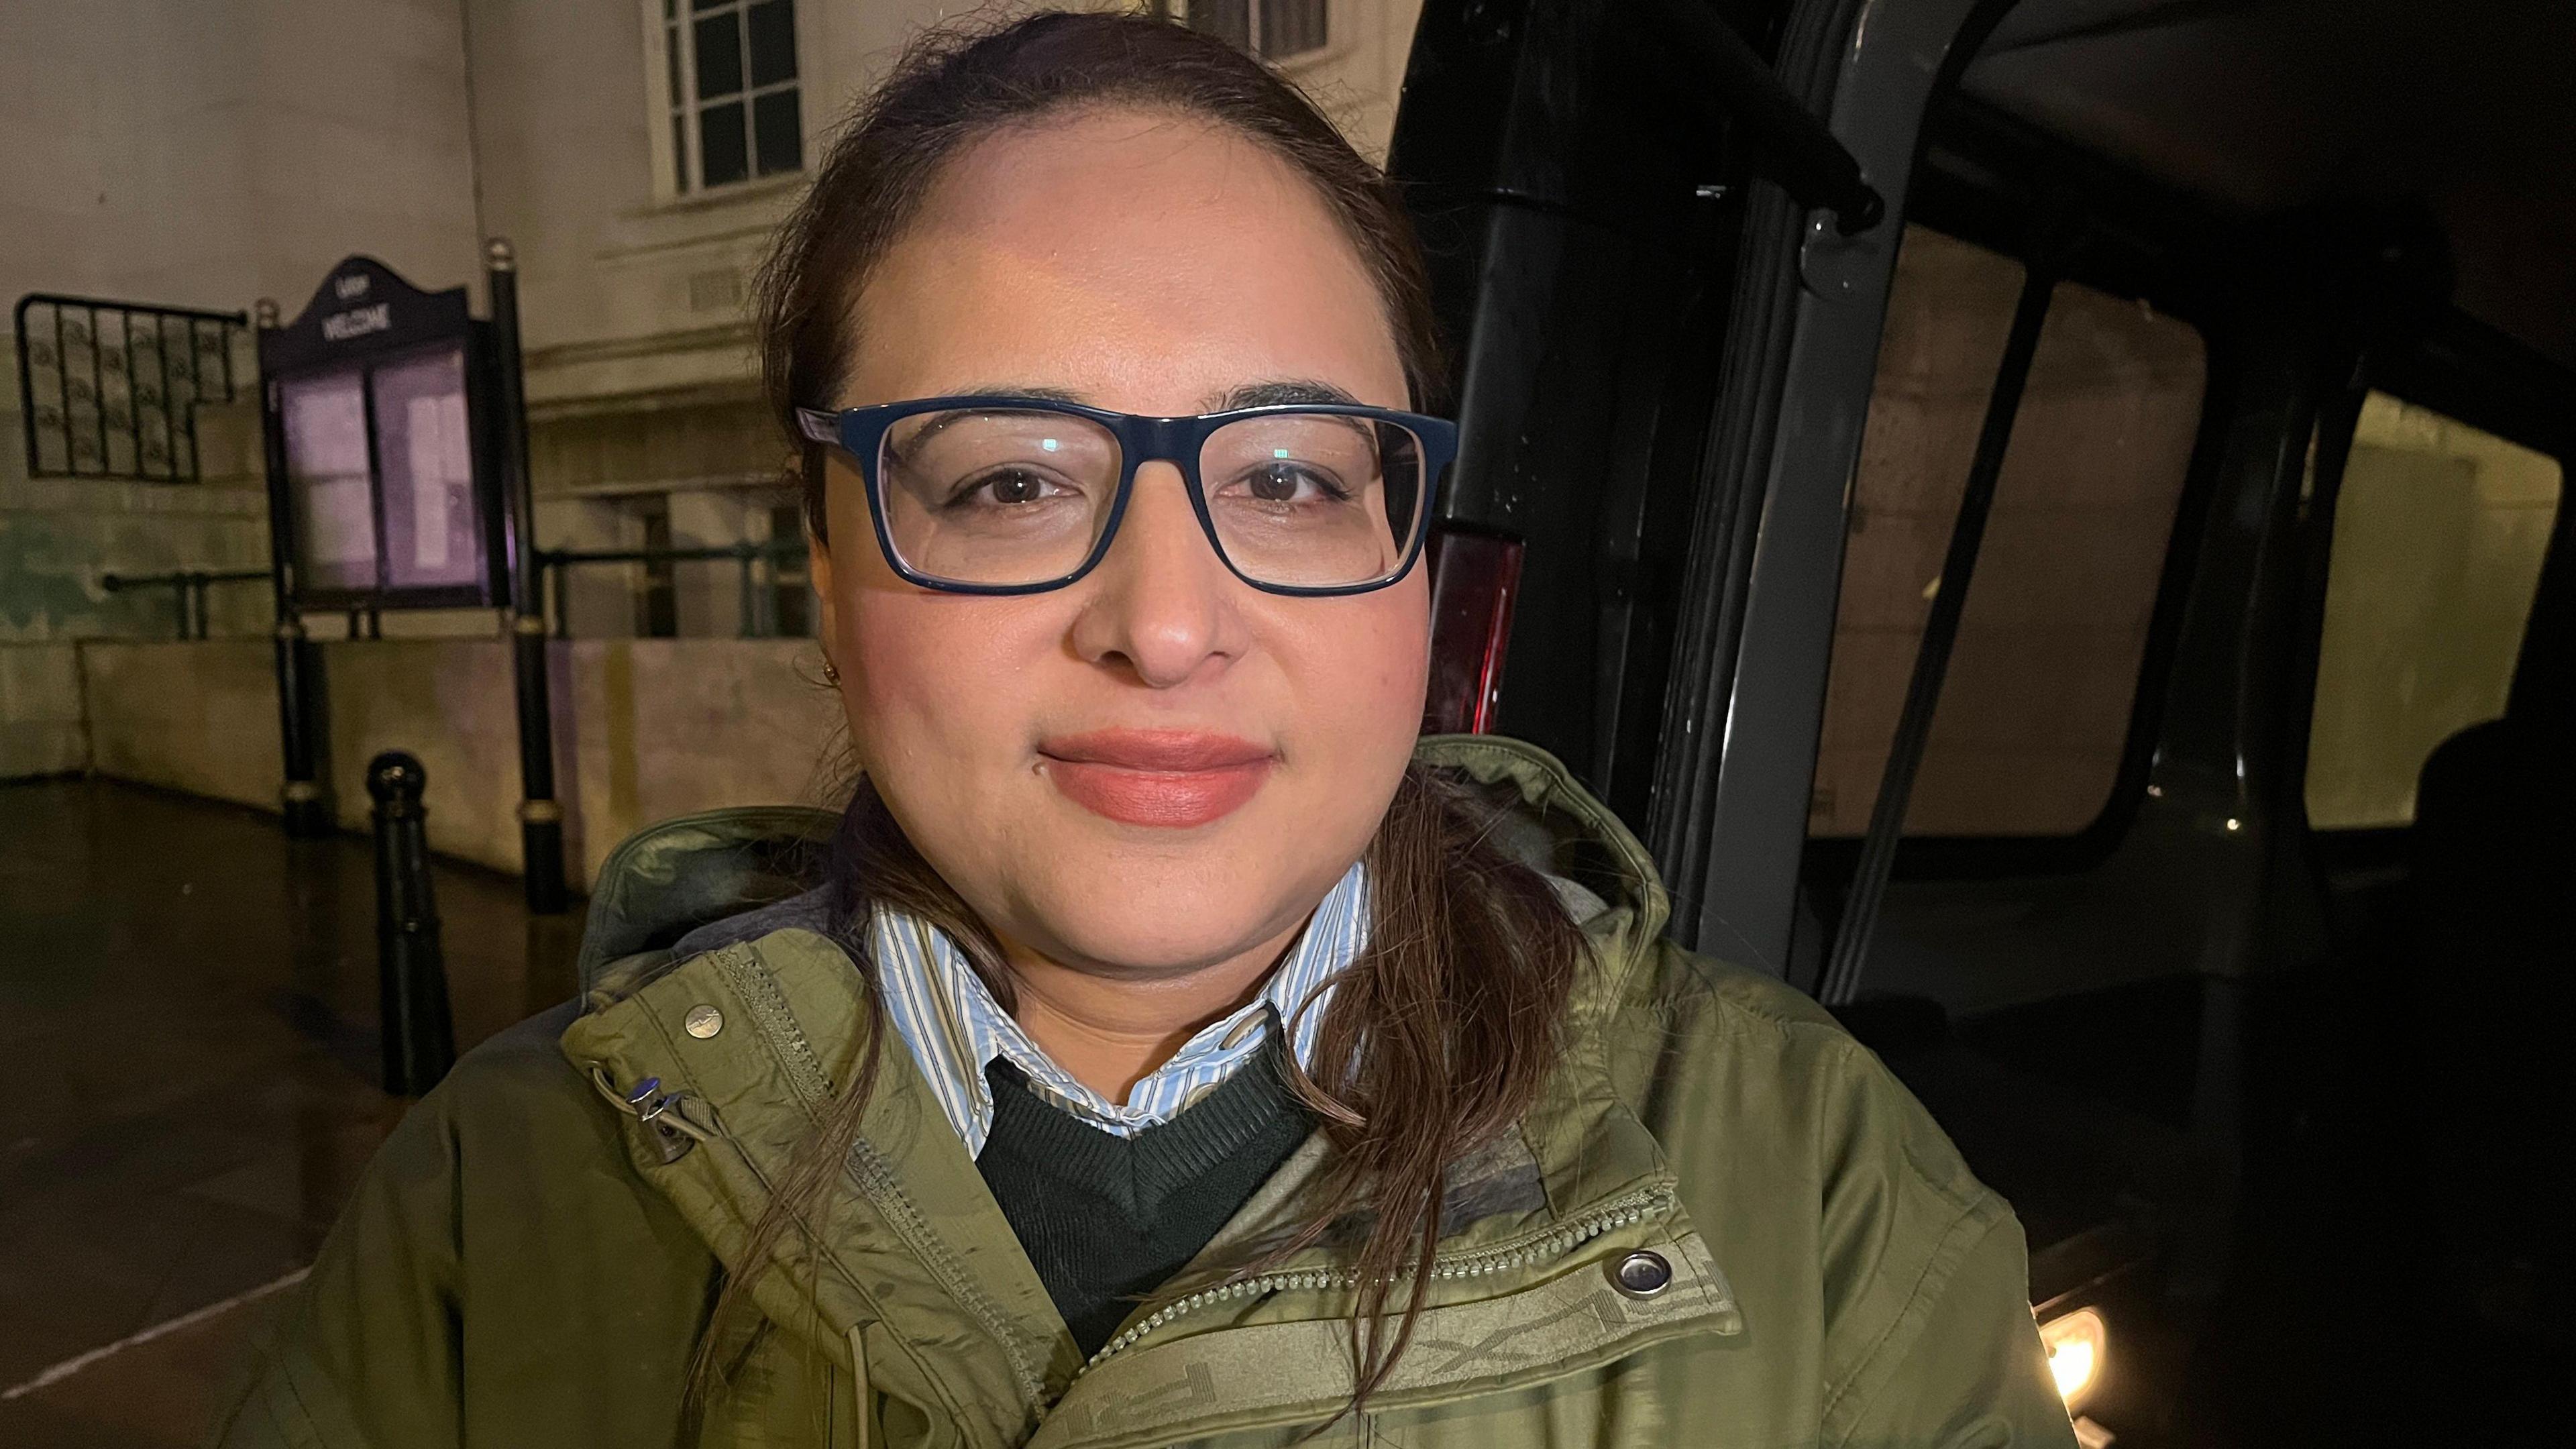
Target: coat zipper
x: 1626, y: 1210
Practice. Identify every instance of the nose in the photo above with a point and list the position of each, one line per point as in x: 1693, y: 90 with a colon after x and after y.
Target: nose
x: 1161, y: 604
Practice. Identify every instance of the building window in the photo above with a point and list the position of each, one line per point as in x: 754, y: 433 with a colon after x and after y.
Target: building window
x: 729, y: 76
x: 1271, y: 29
x: 656, y: 583
x: 791, y: 587
x: 2029, y: 736
x: 2439, y: 532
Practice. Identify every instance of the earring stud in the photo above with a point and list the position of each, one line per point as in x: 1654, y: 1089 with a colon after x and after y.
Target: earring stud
x: 831, y: 674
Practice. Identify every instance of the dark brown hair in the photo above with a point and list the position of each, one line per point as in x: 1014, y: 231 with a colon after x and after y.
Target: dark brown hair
x: 1440, y: 1035
x: 956, y: 85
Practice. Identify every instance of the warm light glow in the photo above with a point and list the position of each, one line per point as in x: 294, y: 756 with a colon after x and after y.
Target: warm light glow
x: 2073, y: 1364
x: 2077, y: 1345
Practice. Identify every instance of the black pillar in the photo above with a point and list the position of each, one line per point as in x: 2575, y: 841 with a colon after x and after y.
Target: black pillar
x: 411, y: 979
x: 304, y: 800
x: 540, y: 817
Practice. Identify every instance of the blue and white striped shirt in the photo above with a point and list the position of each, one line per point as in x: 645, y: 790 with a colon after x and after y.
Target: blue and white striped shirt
x: 955, y: 1028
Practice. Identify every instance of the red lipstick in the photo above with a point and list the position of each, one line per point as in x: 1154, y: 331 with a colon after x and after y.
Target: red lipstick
x: 1170, y: 778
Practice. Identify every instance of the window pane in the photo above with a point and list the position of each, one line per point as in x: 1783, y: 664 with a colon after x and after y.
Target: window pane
x: 433, y: 531
x: 2035, y: 707
x: 774, y: 121
x: 657, y: 597
x: 1228, y: 19
x: 773, y: 43
x: 719, y: 41
x: 2438, y: 535
x: 790, y: 580
x: 680, y: 152
x: 710, y: 4
x: 327, y: 475
x: 671, y: 56
x: 720, y: 145
x: 1291, y: 27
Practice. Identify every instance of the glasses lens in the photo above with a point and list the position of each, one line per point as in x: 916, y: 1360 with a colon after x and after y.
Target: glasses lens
x: 1313, y: 500
x: 996, y: 496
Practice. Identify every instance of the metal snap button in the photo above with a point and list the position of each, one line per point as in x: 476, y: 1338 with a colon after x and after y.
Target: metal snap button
x: 703, y: 1022
x: 1641, y: 1274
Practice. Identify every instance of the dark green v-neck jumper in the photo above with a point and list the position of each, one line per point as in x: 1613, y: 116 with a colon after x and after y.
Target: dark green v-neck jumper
x: 1108, y: 1220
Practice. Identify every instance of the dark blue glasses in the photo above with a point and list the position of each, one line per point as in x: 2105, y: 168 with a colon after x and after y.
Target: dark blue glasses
x: 1017, y: 495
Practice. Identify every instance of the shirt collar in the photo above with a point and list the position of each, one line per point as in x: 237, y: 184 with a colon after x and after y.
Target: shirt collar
x: 955, y: 1029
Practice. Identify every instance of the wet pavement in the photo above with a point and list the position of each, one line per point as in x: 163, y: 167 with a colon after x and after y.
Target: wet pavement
x: 189, y: 1064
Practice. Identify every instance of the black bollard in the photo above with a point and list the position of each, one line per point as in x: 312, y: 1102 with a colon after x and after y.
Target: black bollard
x: 419, y: 1036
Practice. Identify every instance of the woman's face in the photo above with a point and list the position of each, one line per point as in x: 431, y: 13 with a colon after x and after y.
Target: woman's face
x: 1157, y: 768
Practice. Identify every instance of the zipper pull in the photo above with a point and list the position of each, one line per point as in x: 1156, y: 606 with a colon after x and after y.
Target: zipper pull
x: 672, y: 1131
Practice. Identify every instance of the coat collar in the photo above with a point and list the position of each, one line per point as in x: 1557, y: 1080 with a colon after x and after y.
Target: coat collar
x: 909, y: 1235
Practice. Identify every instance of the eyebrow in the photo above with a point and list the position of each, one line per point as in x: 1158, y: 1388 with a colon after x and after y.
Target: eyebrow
x: 940, y: 423
x: 1022, y: 389
x: 1274, y: 392
x: 1277, y: 393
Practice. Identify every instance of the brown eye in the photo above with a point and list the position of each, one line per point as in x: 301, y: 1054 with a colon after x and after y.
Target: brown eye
x: 1289, y: 483
x: 1008, y: 488
x: 1017, y: 488
x: 1276, y: 484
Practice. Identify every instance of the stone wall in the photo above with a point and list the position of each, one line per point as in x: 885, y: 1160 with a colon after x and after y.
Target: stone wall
x: 60, y: 537
x: 645, y: 729
x: 198, y: 716
x: 41, y: 729
x: 206, y: 152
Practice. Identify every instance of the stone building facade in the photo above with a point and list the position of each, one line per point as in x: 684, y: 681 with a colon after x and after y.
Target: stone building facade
x: 637, y: 153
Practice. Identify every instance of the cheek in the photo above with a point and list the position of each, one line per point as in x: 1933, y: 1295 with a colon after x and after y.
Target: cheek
x: 939, y: 680
x: 1362, y: 664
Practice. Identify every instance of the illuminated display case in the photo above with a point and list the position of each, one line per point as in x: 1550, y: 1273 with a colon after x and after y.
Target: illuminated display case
x: 380, y: 403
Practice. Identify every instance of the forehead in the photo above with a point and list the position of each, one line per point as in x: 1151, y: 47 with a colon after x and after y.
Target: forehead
x: 1142, y: 261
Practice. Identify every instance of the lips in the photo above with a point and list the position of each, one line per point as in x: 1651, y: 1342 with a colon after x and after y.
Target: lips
x: 1174, y: 779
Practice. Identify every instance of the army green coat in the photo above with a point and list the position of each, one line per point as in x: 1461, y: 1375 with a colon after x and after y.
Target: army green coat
x: 529, y: 1263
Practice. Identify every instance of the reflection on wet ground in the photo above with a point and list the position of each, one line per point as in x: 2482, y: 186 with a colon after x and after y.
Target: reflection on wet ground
x: 188, y: 1048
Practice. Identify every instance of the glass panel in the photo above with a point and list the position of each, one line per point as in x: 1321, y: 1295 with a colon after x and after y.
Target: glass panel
x: 680, y: 152
x: 671, y: 66
x: 1291, y: 27
x: 325, y: 422
x: 776, y: 123
x: 2439, y: 530
x: 710, y: 4
x: 1230, y: 20
x: 433, y: 529
x: 719, y: 53
x: 773, y: 43
x: 996, y: 497
x: 1311, y: 500
x: 720, y: 145
x: 2034, y: 712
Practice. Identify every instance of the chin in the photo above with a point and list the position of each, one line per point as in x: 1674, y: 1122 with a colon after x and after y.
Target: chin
x: 1157, y: 921
x: 1167, y: 899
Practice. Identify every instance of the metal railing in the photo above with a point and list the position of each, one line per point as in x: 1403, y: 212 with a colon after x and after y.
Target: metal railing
x: 110, y: 389
x: 188, y: 587
x: 758, y: 600
x: 759, y: 597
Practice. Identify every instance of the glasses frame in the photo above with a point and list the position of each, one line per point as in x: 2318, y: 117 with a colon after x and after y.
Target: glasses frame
x: 860, y: 433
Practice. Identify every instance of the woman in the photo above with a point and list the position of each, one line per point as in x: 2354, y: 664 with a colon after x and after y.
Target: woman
x: 1175, y: 1050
